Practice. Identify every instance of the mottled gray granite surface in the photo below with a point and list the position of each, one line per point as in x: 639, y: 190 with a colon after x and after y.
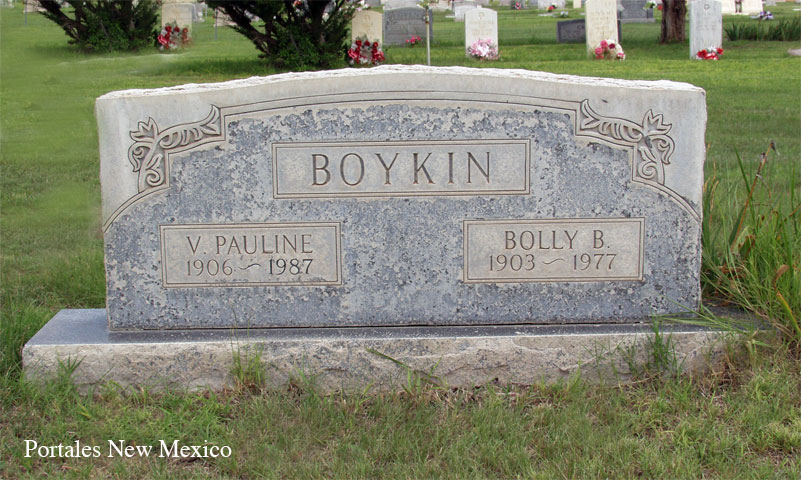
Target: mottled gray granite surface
x: 402, y: 257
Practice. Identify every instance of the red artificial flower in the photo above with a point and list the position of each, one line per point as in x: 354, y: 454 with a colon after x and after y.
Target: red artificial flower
x: 162, y: 40
x: 375, y: 44
x: 720, y: 51
x: 168, y: 28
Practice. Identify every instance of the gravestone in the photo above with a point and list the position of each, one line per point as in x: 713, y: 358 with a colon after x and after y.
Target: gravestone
x: 544, y: 4
x: 199, y: 14
x: 32, y: 6
x: 770, y: 3
x: 576, y: 3
x: 393, y: 4
x: 460, y: 10
x: 373, y: 3
x: 181, y: 13
x: 221, y: 19
x: 480, y: 24
x: 473, y: 218
x: 402, y: 23
x: 369, y: 24
x: 727, y: 7
x: 706, y: 25
x: 634, y: 11
x: 440, y: 5
x: 573, y: 31
x: 752, y: 7
x: 600, y: 22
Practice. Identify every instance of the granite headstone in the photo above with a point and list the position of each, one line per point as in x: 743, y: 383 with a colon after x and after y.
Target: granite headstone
x: 706, y: 25
x: 634, y: 11
x: 402, y: 23
x: 480, y: 24
x: 601, y: 22
x: 503, y: 225
x: 460, y: 10
x: 369, y: 24
x: 181, y: 13
x: 401, y: 196
x: 573, y: 31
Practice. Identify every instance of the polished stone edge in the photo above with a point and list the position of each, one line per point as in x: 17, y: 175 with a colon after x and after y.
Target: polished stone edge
x: 338, y: 358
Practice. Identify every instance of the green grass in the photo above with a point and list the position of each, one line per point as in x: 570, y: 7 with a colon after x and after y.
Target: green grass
x: 741, y: 421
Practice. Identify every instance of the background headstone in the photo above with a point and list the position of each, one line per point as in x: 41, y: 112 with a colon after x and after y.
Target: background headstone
x: 367, y: 23
x: 576, y: 3
x: 770, y: 3
x: 544, y: 4
x: 601, y: 22
x: 393, y: 4
x: 222, y: 20
x: 752, y: 7
x: 373, y: 3
x: 402, y: 23
x: 727, y: 7
x: 634, y: 11
x: 573, y: 31
x: 706, y: 25
x: 32, y: 6
x: 479, y: 24
x: 182, y: 13
x: 459, y: 10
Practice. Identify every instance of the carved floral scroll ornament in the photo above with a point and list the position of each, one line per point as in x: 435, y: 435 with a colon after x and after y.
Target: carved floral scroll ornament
x: 148, y: 153
x: 652, y: 145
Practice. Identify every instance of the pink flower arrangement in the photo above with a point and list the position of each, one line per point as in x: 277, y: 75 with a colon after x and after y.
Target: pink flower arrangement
x: 484, y: 49
x: 364, y: 52
x: 711, y: 53
x: 610, y: 50
x: 413, y: 40
x: 173, y: 37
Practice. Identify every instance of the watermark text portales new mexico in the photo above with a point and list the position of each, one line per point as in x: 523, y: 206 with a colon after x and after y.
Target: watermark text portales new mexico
x: 119, y: 448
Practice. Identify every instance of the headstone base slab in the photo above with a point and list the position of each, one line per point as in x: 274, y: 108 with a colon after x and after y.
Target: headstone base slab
x: 338, y: 358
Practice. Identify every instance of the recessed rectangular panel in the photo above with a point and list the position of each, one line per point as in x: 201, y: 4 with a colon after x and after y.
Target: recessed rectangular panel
x: 401, y: 168
x: 560, y: 250
x: 247, y: 255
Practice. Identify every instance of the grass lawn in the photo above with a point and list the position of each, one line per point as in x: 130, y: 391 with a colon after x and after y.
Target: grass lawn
x: 743, y: 420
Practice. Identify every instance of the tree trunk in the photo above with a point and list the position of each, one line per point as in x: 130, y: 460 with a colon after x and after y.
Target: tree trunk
x: 673, y: 14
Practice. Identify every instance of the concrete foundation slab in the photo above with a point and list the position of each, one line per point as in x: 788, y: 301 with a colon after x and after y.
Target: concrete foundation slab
x: 346, y: 358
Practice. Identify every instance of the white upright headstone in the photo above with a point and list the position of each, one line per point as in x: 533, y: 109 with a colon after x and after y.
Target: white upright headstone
x: 706, y: 25
x: 576, y: 3
x: 727, y: 7
x: 600, y: 21
x: 181, y: 13
x: 480, y: 24
x: 368, y: 24
x: 544, y: 4
x: 752, y: 7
